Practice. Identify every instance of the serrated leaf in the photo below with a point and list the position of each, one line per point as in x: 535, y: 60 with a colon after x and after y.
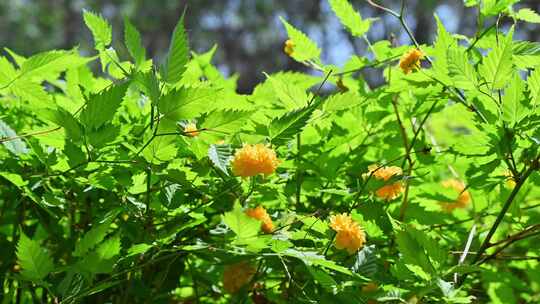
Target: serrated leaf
x: 52, y: 62
x: 342, y: 101
x: 35, y: 261
x: 366, y: 262
x: 220, y: 155
x: 64, y: 119
x: 241, y: 224
x: 102, y: 107
x: 284, y: 128
x: 91, y: 239
x: 7, y: 71
x: 185, y: 103
x: 442, y: 45
x: 304, y: 48
x: 32, y: 92
x: 160, y: 150
x: 100, y: 28
x: 513, y: 109
x: 460, y: 70
x: 533, y: 83
x: 133, y: 42
x: 527, y: 15
x: 14, y: 145
x: 351, y: 19
x: 178, y: 54
x: 413, y: 252
x: 225, y: 121
x: 497, y: 66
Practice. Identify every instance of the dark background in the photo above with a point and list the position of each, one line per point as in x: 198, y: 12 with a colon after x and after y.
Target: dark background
x: 248, y: 32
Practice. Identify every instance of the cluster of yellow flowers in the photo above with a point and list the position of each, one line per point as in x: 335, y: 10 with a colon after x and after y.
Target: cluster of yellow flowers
x: 349, y: 235
x: 237, y: 275
x: 390, y: 191
x: 252, y: 160
x: 411, y: 60
x: 260, y: 214
x: 463, y: 199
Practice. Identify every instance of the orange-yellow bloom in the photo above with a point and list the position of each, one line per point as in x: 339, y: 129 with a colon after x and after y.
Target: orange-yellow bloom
x: 260, y: 214
x: 237, y: 275
x: 191, y: 130
x: 410, y: 60
x: 350, y: 235
x: 390, y: 191
x: 251, y: 160
x: 463, y: 199
x: 289, y: 47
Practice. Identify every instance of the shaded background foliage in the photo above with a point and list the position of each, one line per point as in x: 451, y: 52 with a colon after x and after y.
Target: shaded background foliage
x: 248, y: 32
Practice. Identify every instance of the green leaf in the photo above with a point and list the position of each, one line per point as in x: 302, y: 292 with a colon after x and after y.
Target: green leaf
x: 282, y: 129
x: 495, y: 7
x: 442, y: 45
x: 220, y: 155
x: 304, y: 48
x: 35, y: 261
x: 413, y: 253
x: 351, y: 19
x: 513, y: 109
x: 7, y: 71
x: 241, y: 224
x: 527, y: 15
x: 14, y: 145
x: 533, y: 83
x: 161, y: 149
x: 460, y: 70
x: 100, y: 28
x: 225, y: 121
x: 133, y: 42
x: 102, y: 107
x: 64, y: 119
x: 52, y: 62
x: 343, y: 101
x: 497, y: 66
x: 32, y: 92
x: 186, y: 103
x: 366, y: 262
x: 91, y: 239
x: 178, y: 55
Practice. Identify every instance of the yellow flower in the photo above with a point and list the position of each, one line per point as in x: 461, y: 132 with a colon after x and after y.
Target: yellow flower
x: 260, y: 214
x: 289, y: 47
x: 251, y: 160
x: 410, y: 60
x: 510, y: 182
x: 350, y: 235
x: 390, y: 191
x: 237, y: 275
x: 463, y: 199
x: 191, y: 130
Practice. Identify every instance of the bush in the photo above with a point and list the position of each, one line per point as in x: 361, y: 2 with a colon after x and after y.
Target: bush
x: 159, y: 183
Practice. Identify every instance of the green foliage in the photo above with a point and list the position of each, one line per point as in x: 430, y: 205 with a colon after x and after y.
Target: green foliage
x: 177, y: 56
x: 304, y: 48
x: 100, y: 28
x: 351, y: 19
x: 35, y: 261
x: 133, y: 42
x: 122, y: 176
